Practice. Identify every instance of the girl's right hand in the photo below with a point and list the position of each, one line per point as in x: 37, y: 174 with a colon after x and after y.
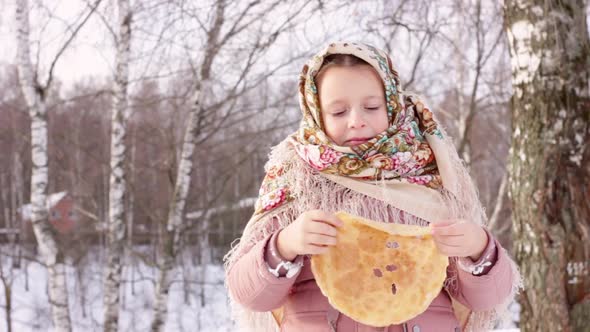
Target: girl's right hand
x: 311, y: 233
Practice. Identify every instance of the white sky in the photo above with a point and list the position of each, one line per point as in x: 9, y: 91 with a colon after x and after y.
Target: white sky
x: 92, y: 54
x: 87, y: 56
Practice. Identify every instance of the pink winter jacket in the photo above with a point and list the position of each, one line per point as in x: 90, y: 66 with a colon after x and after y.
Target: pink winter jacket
x: 307, y: 309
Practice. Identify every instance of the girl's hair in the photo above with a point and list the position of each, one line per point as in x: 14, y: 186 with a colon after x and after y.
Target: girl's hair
x: 345, y: 60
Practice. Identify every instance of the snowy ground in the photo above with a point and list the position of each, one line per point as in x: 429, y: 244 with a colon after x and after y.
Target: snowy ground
x: 31, y: 310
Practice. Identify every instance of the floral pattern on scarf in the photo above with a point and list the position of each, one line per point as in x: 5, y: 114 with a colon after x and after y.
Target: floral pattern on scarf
x: 400, y: 153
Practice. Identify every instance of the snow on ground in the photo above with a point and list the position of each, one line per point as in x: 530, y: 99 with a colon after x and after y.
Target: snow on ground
x: 186, y: 312
x: 31, y: 309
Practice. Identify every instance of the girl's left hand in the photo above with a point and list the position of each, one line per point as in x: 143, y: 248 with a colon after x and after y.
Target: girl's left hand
x: 460, y: 238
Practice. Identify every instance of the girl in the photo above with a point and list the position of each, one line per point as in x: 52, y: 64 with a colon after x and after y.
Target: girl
x: 366, y: 148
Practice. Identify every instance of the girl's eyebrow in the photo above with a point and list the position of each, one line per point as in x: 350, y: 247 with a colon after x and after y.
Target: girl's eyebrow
x: 373, y: 97
x: 335, y: 103
x: 340, y: 101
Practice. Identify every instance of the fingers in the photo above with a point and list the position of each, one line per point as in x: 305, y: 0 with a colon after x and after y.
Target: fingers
x: 448, y: 237
x: 322, y: 228
x: 321, y: 240
x: 325, y: 217
x: 448, y: 228
x: 450, y: 245
x: 321, y: 231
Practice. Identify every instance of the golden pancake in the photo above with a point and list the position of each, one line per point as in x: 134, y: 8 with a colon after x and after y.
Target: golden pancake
x: 380, y: 274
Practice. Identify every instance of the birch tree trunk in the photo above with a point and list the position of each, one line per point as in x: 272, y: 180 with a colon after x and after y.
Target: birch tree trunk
x: 203, y: 121
x: 130, y: 206
x: 117, y: 185
x: 35, y: 98
x: 550, y: 166
x: 19, y: 194
x: 7, y: 282
x: 173, y: 231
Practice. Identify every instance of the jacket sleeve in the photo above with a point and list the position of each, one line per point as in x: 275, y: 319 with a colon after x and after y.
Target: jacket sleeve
x: 484, y: 292
x: 252, y: 285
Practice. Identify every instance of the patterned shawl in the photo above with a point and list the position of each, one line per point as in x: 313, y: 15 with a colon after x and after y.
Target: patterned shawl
x: 401, y: 153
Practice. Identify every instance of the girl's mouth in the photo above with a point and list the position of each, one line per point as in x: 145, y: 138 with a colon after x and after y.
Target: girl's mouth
x: 356, y: 141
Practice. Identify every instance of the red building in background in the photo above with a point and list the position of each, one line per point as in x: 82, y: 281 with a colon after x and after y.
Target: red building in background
x: 61, y: 213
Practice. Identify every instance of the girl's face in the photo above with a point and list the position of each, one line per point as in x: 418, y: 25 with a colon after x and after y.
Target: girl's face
x: 352, y: 103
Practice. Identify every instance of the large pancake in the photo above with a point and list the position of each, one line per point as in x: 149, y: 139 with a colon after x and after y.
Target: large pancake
x: 380, y: 274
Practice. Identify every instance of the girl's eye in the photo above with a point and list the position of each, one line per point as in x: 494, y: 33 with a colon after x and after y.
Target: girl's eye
x: 340, y: 113
x: 373, y: 108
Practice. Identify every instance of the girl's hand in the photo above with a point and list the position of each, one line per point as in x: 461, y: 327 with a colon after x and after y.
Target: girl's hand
x: 311, y: 233
x: 459, y: 238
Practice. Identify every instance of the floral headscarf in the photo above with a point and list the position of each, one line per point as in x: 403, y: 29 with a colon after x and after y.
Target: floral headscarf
x: 400, y: 153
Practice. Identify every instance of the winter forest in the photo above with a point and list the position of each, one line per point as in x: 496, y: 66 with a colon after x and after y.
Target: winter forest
x: 133, y: 138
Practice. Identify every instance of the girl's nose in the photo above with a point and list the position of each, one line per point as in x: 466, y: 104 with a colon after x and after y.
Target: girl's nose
x: 356, y: 119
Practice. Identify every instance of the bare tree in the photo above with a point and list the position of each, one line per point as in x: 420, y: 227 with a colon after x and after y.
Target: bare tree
x: 550, y: 160
x: 35, y: 95
x: 204, y: 122
x: 117, y: 185
x: 7, y: 280
x: 483, y: 21
x: 193, y: 131
x: 484, y: 50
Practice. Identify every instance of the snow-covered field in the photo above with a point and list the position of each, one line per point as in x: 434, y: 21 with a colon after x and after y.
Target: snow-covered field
x: 186, y: 313
x: 199, y: 304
